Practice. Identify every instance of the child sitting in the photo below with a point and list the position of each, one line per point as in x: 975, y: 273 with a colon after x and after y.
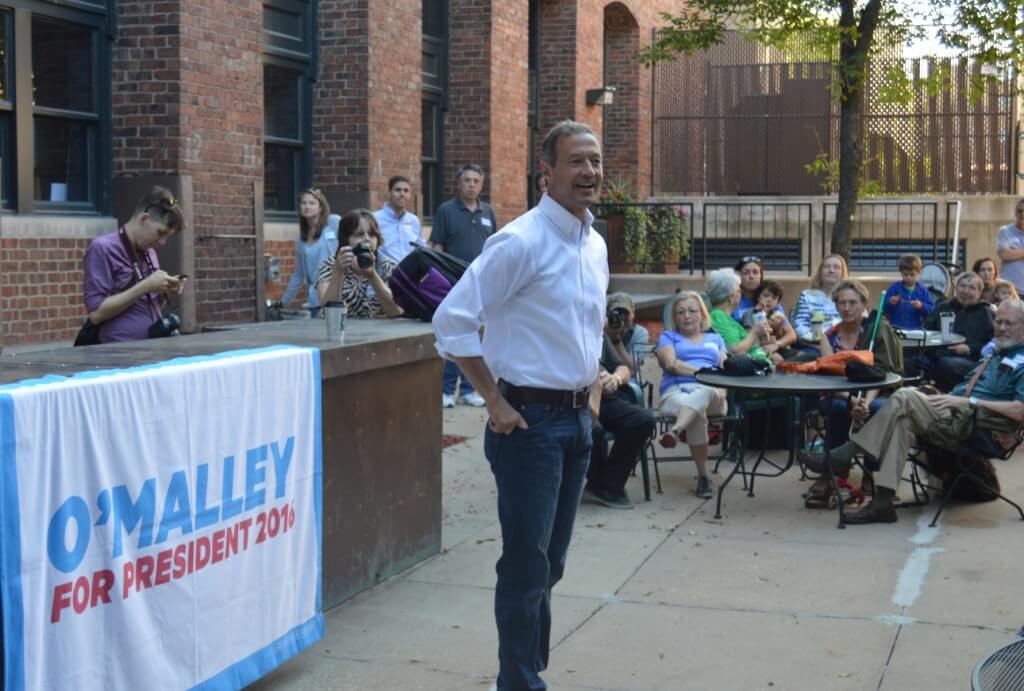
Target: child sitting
x: 780, y: 333
x: 907, y: 302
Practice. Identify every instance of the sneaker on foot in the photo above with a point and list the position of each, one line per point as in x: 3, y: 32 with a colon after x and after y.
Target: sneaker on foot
x: 606, y: 498
x: 473, y: 399
x: 704, y: 489
x: 447, y: 400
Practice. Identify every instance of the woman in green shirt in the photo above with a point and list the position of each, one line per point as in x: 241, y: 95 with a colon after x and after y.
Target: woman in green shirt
x: 723, y: 289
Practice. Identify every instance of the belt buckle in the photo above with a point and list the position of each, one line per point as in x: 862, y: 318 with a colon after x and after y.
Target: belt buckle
x: 580, y: 398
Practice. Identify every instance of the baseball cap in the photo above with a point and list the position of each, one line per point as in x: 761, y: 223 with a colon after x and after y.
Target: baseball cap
x: 621, y: 300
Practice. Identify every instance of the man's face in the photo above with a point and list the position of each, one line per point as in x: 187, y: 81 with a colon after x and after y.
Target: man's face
x: 1009, y: 327
x: 575, y: 179
x: 399, y: 196
x: 1019, y: 213
x: 152, y: 233
x: 470, y: 185
x: 968, y: 291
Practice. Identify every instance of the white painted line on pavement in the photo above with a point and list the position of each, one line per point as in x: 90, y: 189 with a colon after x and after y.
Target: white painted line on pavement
x: 915, y: 569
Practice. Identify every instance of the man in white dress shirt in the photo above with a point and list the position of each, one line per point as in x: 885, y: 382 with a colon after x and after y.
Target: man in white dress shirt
x: 539, y: 289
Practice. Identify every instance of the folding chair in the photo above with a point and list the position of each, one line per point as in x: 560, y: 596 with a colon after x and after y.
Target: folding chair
x: 966, y: 459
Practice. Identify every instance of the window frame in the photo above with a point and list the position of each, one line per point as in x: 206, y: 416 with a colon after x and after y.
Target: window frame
x: 435, y: 91
x: 98, y: 19
x: 301, y: 58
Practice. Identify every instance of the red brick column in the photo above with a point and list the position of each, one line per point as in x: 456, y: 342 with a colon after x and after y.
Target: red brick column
x: 487, y: 121
x: 188, y: 100
x: 366, y: 104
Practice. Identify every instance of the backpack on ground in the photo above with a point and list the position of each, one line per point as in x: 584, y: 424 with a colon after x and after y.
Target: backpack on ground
x: 422, y: 280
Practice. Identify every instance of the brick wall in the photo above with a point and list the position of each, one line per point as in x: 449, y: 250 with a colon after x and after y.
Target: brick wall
x: 622, y: 41
x: 41, y: 289
x: 222, y: 107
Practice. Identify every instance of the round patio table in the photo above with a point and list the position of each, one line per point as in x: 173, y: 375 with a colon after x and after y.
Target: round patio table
x: 926, y: 339
x: 1002, y: 670
x: 787, y: 384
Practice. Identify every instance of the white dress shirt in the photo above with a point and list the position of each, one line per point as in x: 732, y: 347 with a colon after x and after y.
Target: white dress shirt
x: 398, y: 232
x: 538, y: 288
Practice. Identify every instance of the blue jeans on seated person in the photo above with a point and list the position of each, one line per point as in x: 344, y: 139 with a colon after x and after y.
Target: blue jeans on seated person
x: 839, y: 427
x: 539, y: 473
x: 450, y: 377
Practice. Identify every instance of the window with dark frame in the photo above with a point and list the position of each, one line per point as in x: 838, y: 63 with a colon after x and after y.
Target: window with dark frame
x: 289, y: 51
x: 55, y: 112
x: 434, y: 71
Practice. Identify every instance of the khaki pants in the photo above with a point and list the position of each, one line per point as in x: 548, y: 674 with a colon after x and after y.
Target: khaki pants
x: 706, y: 400
x: 890, y: 433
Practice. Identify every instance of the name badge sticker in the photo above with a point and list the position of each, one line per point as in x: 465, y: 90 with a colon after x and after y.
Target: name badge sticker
x: 330, y: 235
x: 485, y: 221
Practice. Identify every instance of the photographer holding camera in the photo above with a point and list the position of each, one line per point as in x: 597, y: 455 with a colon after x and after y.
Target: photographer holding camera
x: 122, y: 278
x: 358, y: 274
x: 627, y: 338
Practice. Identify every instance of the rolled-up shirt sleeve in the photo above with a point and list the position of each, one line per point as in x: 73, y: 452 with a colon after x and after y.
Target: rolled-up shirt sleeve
x: 493, y: 277
x: 98, y: 281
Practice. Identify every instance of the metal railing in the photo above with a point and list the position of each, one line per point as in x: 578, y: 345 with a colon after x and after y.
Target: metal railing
x: 616, y: 246
x: 778, y: 232
x: 884, y: 230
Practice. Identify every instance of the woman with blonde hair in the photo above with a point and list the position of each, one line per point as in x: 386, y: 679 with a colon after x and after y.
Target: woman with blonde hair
x: 683, y: 350
x: 818, y: 298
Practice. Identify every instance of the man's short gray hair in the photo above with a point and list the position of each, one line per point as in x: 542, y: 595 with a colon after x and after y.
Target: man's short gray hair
x: 969, y: 275
x: 720, y: 285
x: 566, y: 128
x: 1017, y: 305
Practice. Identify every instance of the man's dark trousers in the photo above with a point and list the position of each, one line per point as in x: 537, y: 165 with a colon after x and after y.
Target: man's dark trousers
x: 539, y: 473
x: 632, y: 427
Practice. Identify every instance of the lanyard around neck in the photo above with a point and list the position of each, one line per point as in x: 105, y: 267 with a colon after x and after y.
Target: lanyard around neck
x: 137, y: 267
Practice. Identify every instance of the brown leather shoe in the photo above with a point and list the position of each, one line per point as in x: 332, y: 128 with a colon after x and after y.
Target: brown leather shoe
x: 872, y: 513
x: 815, y: 461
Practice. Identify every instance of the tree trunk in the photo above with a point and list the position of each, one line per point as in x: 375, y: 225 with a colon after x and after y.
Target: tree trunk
x: 851, y: 158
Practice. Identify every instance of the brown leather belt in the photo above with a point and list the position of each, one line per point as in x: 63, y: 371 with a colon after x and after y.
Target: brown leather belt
x: 556, y: 397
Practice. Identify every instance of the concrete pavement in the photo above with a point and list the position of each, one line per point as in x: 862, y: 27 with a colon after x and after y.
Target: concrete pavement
x: 663, y: 597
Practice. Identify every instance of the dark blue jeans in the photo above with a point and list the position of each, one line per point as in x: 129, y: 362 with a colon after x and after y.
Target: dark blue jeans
x: 839, y: 429
x: 539, y: 473
x: 449, y: 378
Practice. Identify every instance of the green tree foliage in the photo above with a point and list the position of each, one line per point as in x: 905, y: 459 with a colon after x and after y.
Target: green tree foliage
x: 848, y: 31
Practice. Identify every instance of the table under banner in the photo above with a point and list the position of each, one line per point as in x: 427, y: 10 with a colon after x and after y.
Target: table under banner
x: 160, y: 526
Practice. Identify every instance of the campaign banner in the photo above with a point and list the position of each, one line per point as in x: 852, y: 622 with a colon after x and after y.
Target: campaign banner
x: 160, y: 525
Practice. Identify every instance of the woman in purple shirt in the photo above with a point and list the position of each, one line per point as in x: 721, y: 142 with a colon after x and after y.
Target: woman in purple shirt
x: 122, y: 278
x: 682, y: 351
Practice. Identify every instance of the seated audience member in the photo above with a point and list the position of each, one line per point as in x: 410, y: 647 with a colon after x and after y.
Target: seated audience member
x: 816, y: 302
x: 751, y: 272
x: 972, y: 320
x: 1004, y: 290
x: 853, y: 332
x: 363, y: 288
x: 889, y: 434
x: 122, y: 279
x: 317, y: 242
x: 907, y: 302
x: 768, y: 299
x: 723, y: 289
x: 989, y: 273
x: 400, y: 229
x: 628, y: 338
x: 631, y: 424
x: 683, y: 350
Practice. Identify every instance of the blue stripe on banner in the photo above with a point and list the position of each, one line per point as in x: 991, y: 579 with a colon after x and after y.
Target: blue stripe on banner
x: 245, y: 672
x: 10, y: 552
x: 92, y: 374
x: 318, y: 474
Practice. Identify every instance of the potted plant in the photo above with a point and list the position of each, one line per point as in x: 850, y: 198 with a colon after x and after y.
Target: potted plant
x: 668, y: 238
x: 617, y: 200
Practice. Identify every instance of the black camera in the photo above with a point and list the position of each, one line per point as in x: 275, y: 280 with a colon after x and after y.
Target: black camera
x: 166, y: 326
x: 617, y: 317
x: 363, y: 252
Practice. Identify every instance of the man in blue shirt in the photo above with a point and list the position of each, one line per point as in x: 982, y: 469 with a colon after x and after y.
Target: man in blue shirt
x: 461, y: 226
x: 400, y: 228
x: 995, y: 386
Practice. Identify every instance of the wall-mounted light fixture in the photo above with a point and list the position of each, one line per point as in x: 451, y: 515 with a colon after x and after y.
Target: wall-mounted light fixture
x: 604, y: 96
